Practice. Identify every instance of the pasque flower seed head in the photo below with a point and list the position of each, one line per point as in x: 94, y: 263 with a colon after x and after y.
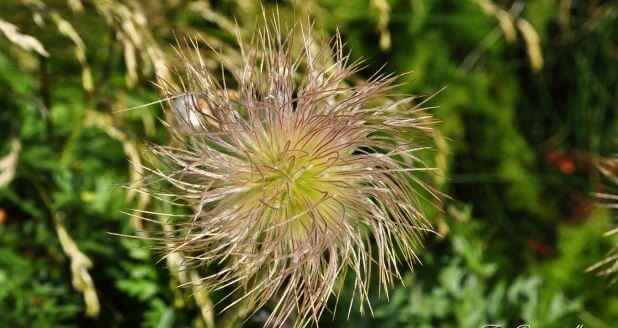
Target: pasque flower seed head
x: 296, y: 177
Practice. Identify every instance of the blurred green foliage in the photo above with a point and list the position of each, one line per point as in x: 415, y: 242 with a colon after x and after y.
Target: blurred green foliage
x: 522, y: 143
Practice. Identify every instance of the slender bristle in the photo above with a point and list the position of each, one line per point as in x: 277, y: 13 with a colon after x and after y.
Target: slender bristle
x: 608, y: 267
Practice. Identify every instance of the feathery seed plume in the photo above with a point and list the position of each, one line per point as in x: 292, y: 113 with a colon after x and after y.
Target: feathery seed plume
x: 294, y: 176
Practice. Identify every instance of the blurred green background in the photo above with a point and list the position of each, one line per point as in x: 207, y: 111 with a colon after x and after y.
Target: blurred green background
x: 530, y: 106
